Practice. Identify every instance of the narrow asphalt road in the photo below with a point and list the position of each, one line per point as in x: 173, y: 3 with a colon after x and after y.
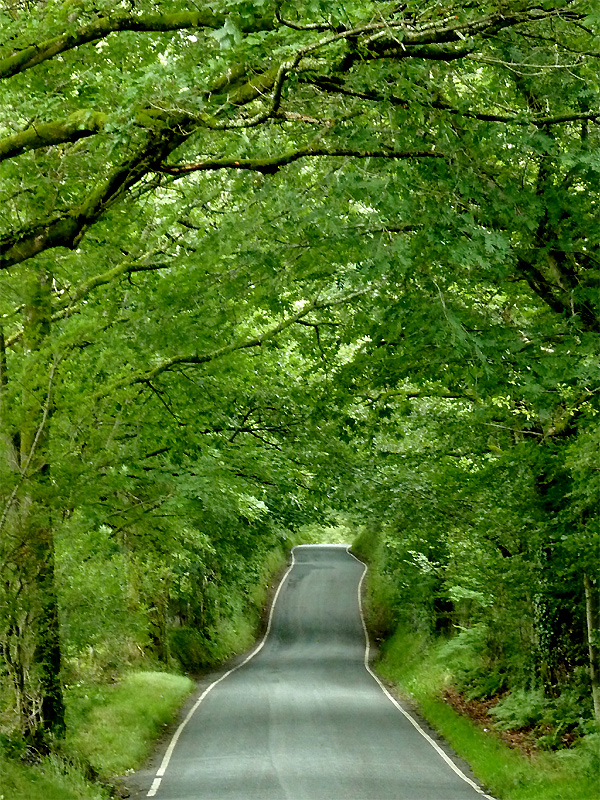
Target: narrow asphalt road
x: 303, y: 719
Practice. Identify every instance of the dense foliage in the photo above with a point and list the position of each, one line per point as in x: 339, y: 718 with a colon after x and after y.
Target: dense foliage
x: 262, y: 262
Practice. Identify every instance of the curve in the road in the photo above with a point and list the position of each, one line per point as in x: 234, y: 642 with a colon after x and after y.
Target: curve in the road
x: 304, y: 721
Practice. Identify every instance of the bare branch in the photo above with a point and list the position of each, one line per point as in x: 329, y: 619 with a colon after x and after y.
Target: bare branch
x: 333, y: 86
x: 311, y: 26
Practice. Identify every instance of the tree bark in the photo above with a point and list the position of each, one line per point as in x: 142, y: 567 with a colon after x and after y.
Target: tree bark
x: 43, y: 712
x: 593, y: 627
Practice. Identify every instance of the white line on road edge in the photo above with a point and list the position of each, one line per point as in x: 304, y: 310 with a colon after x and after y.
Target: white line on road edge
x: 169, y: 752
x: 412, y: 721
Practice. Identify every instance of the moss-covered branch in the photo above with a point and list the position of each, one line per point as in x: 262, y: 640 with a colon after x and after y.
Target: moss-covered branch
x: 451, y: 30
x: 44, y: 134
x: 167, y: 130
x: 37, y: 53
x: 68, y: 229
x: 269, y: 166
x: 387, y: 38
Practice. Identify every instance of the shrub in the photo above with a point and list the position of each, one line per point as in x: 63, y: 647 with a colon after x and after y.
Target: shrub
x: 520, y: 709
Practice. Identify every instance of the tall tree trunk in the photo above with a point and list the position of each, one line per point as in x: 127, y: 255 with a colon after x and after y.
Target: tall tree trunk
x: 593, y: 631
x: 9, y: 441
x: 3, y: 376
x: 45, y: 714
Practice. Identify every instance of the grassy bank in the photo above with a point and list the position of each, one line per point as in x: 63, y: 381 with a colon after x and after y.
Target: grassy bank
x: 112, y: 728
x: 49, y: 780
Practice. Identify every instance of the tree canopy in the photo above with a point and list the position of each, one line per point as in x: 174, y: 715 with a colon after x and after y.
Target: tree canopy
x: 263, y: 262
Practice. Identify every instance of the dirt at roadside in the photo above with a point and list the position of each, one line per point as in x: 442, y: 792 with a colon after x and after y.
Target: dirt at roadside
x: 477, y: 710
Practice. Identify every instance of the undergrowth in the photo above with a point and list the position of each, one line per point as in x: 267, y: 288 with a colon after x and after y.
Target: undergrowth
x: 432, y: 649
x: 195, y: 650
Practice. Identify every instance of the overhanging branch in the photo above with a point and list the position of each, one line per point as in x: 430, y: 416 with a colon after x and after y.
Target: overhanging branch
x: 68, y: 229
x: 243, y: 344
x: 269, y: 166
x: 79, y: 293
x: 100, y: 28
x: 333, y: 85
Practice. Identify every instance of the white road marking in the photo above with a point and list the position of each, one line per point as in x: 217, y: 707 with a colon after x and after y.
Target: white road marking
x: 390, y: 697
x: 169, y: 752
x: 154, y: 787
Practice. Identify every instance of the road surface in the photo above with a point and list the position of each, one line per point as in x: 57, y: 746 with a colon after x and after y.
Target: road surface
x: 303, y: 719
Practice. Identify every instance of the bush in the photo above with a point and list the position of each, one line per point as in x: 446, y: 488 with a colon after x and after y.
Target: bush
x: 472, y: 671
x: 367, y: 545
x: 520, y: 709
x: 191, y: 649
x: 585, y: 755
x: 555, y: 721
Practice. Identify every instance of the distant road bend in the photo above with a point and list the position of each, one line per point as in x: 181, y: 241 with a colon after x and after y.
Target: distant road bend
x: 302, y: 718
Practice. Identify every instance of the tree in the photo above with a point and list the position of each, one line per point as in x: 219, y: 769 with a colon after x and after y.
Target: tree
x: 400, y: 198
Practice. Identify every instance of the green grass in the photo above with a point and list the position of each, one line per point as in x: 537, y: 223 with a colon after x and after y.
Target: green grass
x: 111, y: 729
x: 49, y: 780
x: 414, y: 667
x: 114, y: 728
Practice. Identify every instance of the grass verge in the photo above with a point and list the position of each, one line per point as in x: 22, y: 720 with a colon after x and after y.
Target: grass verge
x: 113, y: 728
x: 414, y: 666
x: 49, y: 780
